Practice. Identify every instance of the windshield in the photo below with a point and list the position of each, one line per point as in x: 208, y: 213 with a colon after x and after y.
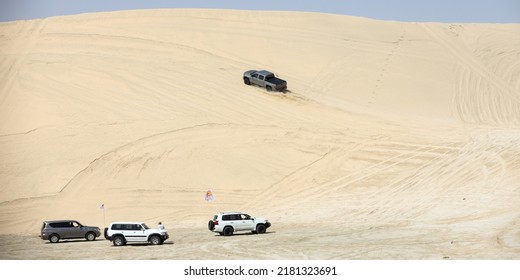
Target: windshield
x: 145, y: 226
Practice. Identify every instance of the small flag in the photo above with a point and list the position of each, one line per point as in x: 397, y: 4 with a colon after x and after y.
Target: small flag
x: 102, y: 207
x: 209, y: 196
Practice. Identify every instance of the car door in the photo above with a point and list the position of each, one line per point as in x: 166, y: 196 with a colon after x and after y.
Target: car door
x: 75, y: 230
x: 130, y: 233
x: 67, y: 230
x: 139, y: 232
x: 233, y: 220
x: 240, y: 223
x: 247, y: 222
x: 61, y: 228
x: 261, y: 80
x: 256, y: 80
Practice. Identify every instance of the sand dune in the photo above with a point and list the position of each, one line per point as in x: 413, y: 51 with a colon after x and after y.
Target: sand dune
x: 396, y: 140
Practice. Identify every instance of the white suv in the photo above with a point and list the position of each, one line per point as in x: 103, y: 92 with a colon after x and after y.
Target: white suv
x: 227, y: 223
x: 122, y: 232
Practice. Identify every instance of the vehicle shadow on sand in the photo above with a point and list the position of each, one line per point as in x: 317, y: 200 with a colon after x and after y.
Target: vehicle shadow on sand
x: 72, y: 241
x: 145, y: 244
x: 245, y: 234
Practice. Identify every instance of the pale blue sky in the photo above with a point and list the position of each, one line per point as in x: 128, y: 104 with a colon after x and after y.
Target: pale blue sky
x: 482, y: 11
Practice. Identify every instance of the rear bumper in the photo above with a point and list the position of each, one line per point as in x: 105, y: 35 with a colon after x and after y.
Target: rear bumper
x: 281, y: 88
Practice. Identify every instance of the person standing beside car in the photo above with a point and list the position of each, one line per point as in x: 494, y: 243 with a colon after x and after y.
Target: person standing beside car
x: 160, y: 226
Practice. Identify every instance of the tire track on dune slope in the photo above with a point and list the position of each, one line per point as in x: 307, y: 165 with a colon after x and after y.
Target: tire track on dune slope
x: 119, y: 154
x: 476, y: 169
x: 198, y: 91
x: 337, y: 186
x: 466, y: 58
x: 94, y: 162
x: 25, y: 40
x: 311, y: 191
x: 148, y: 42
x: 482, y: 96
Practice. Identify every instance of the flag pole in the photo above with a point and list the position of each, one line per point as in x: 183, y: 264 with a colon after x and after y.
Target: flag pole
x: 104, y: 219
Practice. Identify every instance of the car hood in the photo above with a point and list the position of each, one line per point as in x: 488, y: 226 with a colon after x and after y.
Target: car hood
x: 160, y: 231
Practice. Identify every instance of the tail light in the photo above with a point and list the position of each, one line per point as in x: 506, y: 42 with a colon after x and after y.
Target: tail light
x: 215, y: 222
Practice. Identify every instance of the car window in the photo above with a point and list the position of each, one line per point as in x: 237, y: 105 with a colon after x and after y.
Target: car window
x: 137, y: 227
x: 145, y: 226
x: 123, y: 227
x: 60, y: 225
x: 245, y: 217
x: 260, y: 77
x: 255, y: 75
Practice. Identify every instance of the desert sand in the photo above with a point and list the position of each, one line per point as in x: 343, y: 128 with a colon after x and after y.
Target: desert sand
x: 395, y: 141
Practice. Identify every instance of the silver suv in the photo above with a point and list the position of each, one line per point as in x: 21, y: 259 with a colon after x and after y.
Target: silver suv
x: 68, y: 229
x: 122, y: 232
x: 227, y: 223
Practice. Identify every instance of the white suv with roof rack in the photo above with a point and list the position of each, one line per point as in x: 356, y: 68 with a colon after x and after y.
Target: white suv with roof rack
x: 227, y: 223
x: 122, y: 232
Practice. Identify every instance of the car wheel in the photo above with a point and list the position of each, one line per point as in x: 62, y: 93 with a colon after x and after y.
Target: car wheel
x: 269, y: 88
x: 90, y: 236
x: 119, y: 241
x: 228, y: 231
x: 247, y: 82
x: 211, y: 225
x: 155, y: 240
x: 54, y: 238
x: 260, y: 229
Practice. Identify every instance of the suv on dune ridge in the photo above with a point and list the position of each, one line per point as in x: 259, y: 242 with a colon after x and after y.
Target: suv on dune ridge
x: 122, y: 232
x: 227, y: 223
x: 68, y: 229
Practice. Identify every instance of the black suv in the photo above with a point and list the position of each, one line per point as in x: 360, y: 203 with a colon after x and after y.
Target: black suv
x: 68, y: 229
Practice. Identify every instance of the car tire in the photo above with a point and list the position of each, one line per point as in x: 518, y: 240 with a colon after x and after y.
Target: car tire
x: 119, y: 241
x: 228, y: 231
x: 155, y: 240
x: 247, y: 81
x: 211, y: 225
x: 269, y: 88
x: 90, y: 236
x: 260, y: 229
x: 54, y: 238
